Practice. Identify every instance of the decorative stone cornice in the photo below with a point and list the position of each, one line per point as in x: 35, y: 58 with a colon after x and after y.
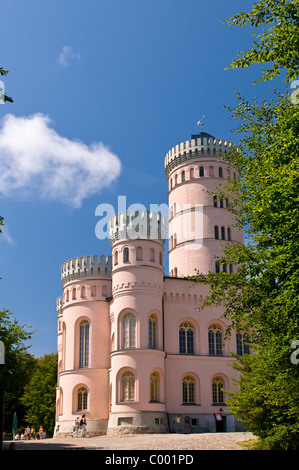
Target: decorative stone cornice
x: 82, y: 267
x: 197, y: 147
x: 145, y: 226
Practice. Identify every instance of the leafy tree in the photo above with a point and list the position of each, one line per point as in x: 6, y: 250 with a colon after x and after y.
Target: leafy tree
x: 261, y: 296
x: 277, y: 46
x: 39, y: 396
x: 263, y: 293
x: 20, y: 369
x: 17, y: 367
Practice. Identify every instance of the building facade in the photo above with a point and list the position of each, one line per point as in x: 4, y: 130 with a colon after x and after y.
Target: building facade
x: 134, y: 351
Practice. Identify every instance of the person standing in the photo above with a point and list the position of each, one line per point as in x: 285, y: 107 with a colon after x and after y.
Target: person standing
x: 83, y: 425
x: 177, y: 423
x: 76, y: 427
x: 187, y: 423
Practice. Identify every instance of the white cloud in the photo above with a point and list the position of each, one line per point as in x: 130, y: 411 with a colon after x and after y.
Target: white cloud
x: 67, y: 55
x: 37, y: 162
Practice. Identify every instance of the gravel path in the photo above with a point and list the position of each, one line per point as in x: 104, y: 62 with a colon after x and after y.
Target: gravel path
x: 149, y: 442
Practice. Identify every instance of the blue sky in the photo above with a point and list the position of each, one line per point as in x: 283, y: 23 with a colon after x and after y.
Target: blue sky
x: 102, y: 90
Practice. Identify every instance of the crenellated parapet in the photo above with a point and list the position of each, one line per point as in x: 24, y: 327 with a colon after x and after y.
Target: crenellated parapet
x: 202, y: 145
x: 145, y: 225
x: 82, y: 267
x: 59, y: 305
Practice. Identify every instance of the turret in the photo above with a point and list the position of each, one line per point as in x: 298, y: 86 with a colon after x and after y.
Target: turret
x: 83, y: 343
x: 136, y: 314
x: 199, y: 223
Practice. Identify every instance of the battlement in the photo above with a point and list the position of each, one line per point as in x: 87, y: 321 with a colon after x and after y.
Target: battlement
x: 195, y: 148
x: 59, y: 305
x: 86, y: 267
x: 145, y: 225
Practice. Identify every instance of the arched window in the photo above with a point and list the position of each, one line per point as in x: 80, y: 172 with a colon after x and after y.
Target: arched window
x: 229, y: 234
x: 82, y: 399
x: 152, y: 325
x: 222, y: 233
x: 82, y: 292
x: 104, y: 291
x: 211, y: 171
x: 74, y: 293
x: 160, y: 258
x: 139, y: 253
x: 217, y: 390
x: 191, y: 173
x: 188, y: 389
x: 174, y: 240
x: 93, y: 291
x: 216, y: 232
x: 215, y: 341
x: 217, y: 267
x: 183, y: 176
x: 242, y: 347
x: 126, y: 255
x: 186, y: 338
x: 152, y: 254
x: 154, y: 387
x: 215, y: 201
x: 67, y: 296
x: 115, y: 257
x: 176, y: 179
x: 84, y: 344
x: 129, y: 329
x: 201, y: 171
x: 128, y: 386
x: 220, y: 172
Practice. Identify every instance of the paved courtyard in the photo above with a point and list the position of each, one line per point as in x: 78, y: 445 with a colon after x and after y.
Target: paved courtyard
x: 148, y: 442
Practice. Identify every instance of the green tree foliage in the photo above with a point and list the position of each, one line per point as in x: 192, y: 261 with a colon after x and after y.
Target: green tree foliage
x: 263, y: 293
x: 39, y: 396
x: 261, y: 296
x: 16, y: 370
x: 13, y: 336
x: 278, y: 45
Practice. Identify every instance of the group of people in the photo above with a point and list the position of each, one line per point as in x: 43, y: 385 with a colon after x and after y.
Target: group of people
x: 79, y: 424
x: 178, y: 423
x: 31, y: 434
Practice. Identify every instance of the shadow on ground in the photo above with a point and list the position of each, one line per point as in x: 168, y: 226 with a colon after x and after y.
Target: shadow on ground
x: 40, y: 445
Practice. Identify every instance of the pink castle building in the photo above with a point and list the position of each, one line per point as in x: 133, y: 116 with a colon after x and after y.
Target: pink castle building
x: 133, y: 349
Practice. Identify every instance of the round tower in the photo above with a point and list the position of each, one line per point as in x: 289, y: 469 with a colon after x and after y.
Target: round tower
x: 199, y: 223
x: 137, y: 376
x: 83, y: 344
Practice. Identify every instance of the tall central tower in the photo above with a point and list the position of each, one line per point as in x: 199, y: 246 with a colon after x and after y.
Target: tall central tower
x: 199, y: 223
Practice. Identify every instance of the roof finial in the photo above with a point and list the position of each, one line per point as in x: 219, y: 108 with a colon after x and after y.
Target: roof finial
x: 201, y: 123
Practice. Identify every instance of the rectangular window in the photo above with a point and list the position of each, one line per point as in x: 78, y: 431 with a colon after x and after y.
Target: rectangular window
x: 159, y: 421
